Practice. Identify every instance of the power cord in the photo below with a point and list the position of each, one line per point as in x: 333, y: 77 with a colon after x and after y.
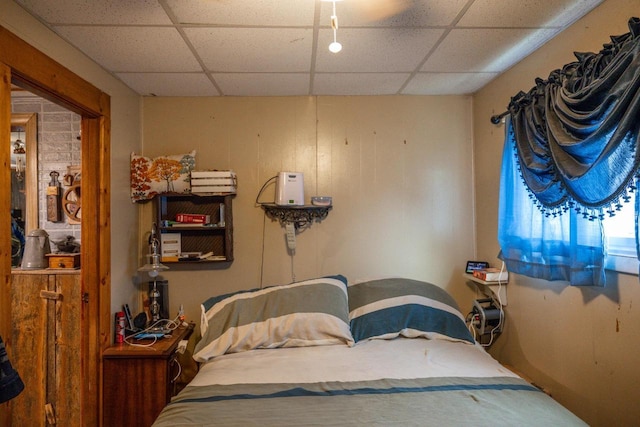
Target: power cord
x: 169, y: 324
x: 501, y: 318
x: 469, y: 322
x: 262, y: 189
x: 264, y: 219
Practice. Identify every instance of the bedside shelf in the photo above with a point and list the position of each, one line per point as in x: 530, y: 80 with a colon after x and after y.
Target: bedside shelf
x: 491, y: 289
x: 298, y: 215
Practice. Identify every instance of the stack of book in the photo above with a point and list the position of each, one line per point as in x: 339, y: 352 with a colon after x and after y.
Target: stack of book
x: 491, y: 275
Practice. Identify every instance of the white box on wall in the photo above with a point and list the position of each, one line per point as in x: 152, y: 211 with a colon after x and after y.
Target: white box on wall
x: 290, y: 189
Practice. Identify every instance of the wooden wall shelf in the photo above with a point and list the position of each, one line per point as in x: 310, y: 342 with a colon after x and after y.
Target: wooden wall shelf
x: 215, y: 238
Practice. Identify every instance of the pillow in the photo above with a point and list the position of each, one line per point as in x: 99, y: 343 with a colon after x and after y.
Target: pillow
x: 309, y: 313
x: 164, y: 174
x: 388, y: 308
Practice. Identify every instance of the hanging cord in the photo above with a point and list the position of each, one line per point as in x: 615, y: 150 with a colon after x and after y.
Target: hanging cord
x: 264, y: 222
x: 263, y: 188
x: 501, y: 319
x: 469, y: 322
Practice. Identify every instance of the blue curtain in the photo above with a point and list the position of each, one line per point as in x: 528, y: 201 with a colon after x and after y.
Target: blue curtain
x: 571, y: 157
x: 577, y: 133
x: 552, y: 247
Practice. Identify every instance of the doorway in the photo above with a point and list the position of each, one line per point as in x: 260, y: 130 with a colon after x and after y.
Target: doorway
x: 24, y: 66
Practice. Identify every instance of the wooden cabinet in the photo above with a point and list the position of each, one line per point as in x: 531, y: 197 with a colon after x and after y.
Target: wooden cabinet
x: 216, y: 237
x: 140, y: 381
x: 47, y: 335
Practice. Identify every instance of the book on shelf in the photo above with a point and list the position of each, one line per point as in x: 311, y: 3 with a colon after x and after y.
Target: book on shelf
x: 170, y: 245
x: 491, y: 275
x: 187, y: 218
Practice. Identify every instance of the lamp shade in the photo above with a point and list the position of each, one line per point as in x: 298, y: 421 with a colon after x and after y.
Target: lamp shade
x: 153, y: 267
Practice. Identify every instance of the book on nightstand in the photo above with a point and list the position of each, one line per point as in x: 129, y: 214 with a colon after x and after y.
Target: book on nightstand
x: 492, y: 275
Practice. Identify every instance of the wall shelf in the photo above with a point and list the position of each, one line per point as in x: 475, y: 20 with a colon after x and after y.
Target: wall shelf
x: 300, y: 216
x: 216, y: 237
x: 490, y: 289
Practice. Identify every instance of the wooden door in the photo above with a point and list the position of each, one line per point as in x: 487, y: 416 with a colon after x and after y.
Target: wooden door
x: 46, y: 335
x: 29, y: 335
x: 64, y: 386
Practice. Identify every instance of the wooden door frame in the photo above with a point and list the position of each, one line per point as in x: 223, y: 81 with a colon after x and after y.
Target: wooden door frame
x: 24, y: 65
x: 29, y: 121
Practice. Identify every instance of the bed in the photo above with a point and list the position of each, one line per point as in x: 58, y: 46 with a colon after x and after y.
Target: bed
x: 318, y: 352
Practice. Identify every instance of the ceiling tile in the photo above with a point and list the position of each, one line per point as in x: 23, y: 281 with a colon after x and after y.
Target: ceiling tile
x: 527, y: 14
x: 485, y: 50
x: 263, y: 84
x: 253, y: 49
x: 245, y: 12
x: 280, y: 47
x: 375, y: 49
x: 447, y: 83
x: 403, y: 13
x: 169, y: 84
x: 119, y: 49
x: 109, y: 12
x: 358, y: 83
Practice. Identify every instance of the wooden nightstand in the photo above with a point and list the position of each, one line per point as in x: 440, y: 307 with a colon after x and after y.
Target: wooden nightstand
x: 139, y: 381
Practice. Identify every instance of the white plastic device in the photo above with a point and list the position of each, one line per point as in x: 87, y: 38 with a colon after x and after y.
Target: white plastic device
x: 290, y: 189
x: 291, y: 236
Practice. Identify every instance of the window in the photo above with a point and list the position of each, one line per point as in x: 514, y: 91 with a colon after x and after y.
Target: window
x: 619, y: 234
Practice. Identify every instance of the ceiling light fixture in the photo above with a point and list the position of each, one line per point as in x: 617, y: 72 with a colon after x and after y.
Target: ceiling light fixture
x: 334, y: 47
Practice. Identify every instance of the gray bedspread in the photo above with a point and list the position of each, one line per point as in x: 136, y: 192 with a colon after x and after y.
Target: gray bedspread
x: 450, y: 401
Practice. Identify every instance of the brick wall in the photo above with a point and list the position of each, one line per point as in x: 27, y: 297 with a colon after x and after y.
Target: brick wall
x: 58, y: 147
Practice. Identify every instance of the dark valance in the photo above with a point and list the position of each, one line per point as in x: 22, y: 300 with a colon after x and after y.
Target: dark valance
x: 577, y: 132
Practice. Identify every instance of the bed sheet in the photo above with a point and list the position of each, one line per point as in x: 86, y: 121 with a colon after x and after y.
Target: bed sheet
x: 376, y: 359
x: 408, y: 382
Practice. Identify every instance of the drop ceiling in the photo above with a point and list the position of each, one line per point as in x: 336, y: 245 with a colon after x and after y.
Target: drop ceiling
x: 280, y: 47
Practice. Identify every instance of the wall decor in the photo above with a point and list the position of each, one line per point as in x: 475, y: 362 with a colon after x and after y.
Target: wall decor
x: 163, y: 174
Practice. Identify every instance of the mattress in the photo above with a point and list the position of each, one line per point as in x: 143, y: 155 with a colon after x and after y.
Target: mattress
x: 401, y: 381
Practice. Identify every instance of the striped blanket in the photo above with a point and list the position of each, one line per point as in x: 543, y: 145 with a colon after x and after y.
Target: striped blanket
x: 445, y: 401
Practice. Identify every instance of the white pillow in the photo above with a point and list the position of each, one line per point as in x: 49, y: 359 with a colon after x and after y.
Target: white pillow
x: 309, y: 313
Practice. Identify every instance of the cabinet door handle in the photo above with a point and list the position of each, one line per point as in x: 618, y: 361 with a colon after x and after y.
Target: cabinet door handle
x: 50, y: 295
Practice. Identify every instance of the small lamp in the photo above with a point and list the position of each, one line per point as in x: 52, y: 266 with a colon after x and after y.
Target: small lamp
x: 153, y: 267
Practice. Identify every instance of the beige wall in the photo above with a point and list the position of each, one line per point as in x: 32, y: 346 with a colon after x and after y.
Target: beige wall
x: 125, y: 137
x: 398, y: 169
x: 580, y: 344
